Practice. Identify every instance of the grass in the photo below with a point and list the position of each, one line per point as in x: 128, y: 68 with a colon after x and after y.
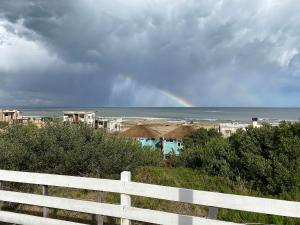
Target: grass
x: 176, y: 177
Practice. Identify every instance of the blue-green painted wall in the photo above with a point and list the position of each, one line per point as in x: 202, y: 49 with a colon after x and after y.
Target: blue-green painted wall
x: 154, y: 143
x: 168, y: 145
x: 172, y: 145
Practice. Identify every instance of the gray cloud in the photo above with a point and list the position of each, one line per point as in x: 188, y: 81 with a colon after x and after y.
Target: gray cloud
x: 75, y: 52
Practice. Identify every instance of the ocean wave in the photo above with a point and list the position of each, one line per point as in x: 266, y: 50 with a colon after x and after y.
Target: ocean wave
x: 213, y: 111
x: 201, y: 119
x: 143, y: 118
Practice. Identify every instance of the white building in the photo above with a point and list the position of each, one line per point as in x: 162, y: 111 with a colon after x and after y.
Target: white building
x: 227, y: 129
x: 10, y: 115
x: 36, y: 120
x: 87, y: 117
x: 109, y: 124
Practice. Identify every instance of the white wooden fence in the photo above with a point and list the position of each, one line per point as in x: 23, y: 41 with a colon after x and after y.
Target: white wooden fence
x: 125, y: 211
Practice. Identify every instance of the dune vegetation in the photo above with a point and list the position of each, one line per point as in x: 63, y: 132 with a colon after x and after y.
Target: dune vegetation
x: 262, y: 162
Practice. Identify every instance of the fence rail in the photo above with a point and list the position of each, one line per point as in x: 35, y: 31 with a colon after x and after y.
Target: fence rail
x: 125, y: 211
x: 17, y: 218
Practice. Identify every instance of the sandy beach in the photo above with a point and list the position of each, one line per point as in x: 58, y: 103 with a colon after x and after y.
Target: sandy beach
x: 164, y: 126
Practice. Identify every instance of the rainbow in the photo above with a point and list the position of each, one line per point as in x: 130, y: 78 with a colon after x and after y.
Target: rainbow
x: 181, y: 101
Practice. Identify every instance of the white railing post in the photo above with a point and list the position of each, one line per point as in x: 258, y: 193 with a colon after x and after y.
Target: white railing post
x: 45, y: 209
x: 125, y: 199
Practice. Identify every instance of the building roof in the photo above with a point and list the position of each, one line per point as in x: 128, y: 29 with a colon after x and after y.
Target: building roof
x: 78, y: 112
x: 139, y: 131
x: 179, y: 132
x: 9, y: 110
x: 233, y: 125
x: 114, y: 119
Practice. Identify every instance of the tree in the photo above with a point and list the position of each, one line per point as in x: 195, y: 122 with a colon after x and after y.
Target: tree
x: 71, y: 149
x: 213, y: 158
x: 200, y: 137
x: 267, y: 158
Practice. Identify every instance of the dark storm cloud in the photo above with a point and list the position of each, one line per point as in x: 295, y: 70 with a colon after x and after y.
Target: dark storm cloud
x: 211, y: 53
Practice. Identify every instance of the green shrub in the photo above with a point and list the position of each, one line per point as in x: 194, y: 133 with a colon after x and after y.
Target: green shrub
x: 213, y: 158
x: 71, y: 149
x: 267, y: 158
x: 3, y: 124
x: 200, y: 137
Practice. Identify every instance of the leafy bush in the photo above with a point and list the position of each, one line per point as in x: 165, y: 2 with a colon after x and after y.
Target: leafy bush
x: 71, y: 149
x: 267, y: 158
x: 3, y: 124
x: 200, y: 137
x: 213, y: 158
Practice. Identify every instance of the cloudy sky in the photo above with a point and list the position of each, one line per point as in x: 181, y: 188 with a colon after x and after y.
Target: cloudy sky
x: 150, y: 53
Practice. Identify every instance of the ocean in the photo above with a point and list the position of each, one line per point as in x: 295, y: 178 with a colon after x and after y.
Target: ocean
x: 172, y: 113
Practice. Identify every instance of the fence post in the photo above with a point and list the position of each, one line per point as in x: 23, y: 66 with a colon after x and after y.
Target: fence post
x: 45, y: 209
x: 212, y: 213
x: 100, y: 199
x: 125, y: 199
x: 1, y: 187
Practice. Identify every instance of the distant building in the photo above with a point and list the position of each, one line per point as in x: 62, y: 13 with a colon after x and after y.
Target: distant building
x: 10, y: 116
x: 36, y: 120
x: 109, y: 124
x: 87, y: 117
x: 145, y: 135
x: 173, y: 141
x: 227, y: 129
x: 255, y: 122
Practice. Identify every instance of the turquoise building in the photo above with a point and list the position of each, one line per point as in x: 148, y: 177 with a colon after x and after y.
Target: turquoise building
x: 151, y: 142
x: 172, y: 145
x: 173, y: 141
x: 145, y: 135
x: 170, y: 142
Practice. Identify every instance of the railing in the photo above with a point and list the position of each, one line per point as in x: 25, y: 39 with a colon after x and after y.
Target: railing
x: 125, y: 211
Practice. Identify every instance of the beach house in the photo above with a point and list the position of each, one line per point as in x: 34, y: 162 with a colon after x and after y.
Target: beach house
x: 87, y: 117
x: 39, y: 121
x: 227, y: 129
x: 145, y: 135
x: 111, y: 125
x: 10, y: 115
x: 173, y: 140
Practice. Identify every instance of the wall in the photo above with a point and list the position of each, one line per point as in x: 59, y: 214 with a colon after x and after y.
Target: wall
x: 154, y: 143
x: 227, y: 129
x: 172, y: 145
x: 90, y: 119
